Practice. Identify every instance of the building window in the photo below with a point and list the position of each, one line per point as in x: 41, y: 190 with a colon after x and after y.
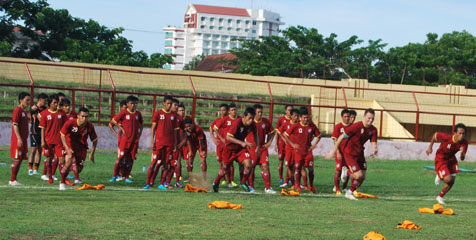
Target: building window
x: 211, y: 27
x: 229, y: 20
x: 220, y: 28
x: 224, y: 37
x: 168, y: 51
x: 233, y: 45
x: 238, y: 21
x: 247, y: 22
x: 216, y: 36
x: 206, y: 51
x: 211, y: 19
x: 254, y: 23
x: 207, y: 35
x: 220, y: 20
x: 206, y: 43
x: 215, y: 52
x: 238, y: 29
x: 216, y: 44
x: 203, y: 18
x: 229, y: 28
x: 247, y: 30
x: 224, y: 45
x: 202, y: 26
x: 169, y: 34
x: 253, y: 31
x: 168, y: 42
x: 168, y: 66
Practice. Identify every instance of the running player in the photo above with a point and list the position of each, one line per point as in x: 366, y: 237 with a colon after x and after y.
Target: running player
x: 117, y: 164
x: 19, y: 139
x: 265, y: 133
x: 288, y: 157
x: 345, y: 173
x: 74, y: 136
x: 280, y: 145
x: 51, y: 121
x: 214, y: 136
x: 338, y: 130
x: 446, y: 164
x: 35, y: 134
x: 355, y: 137
x: 237, y: 148
x: 129, y: 121
x: 196, y: 141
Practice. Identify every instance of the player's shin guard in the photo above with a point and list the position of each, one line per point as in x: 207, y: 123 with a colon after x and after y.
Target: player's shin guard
x: 355, y: 185
x: 266, y: 178
x: 280, y: 169
x: 337, y: 180
x: 15, y: 168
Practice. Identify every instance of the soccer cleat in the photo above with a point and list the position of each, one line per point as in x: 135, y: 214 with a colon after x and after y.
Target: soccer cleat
x: 252, y: 189
x: 350, y: 195
x: 344, y: 190
x: 270, y: 191
x: 146, y: 187
x: 234, y: 184
x: 179, y: 185
x: 78, y: 181
x: 306, y: 188
x: 440, y: 200
x: 50, y: 181
x: 113, y: 179
x: 62, y: 186
x: 30, y: 172
x: 127, y: 180
x: 281, y: 181
x: 292, y: 187
x: 215, y: 187
x: 338, y: 193
x: 55, y: 178
x: 162, y: 187
x: 45, y: 177
x: 68, y: 182
x: 299, y: 189
x: 343, y: 174
x: 313, y: 190
x: 334, y: 189
x: 35, y: 172
x: 230, y: 185
x: 223, y: 183
x: 170, y: 187
x: 70, y: 177
x: 118, y: 179
x: 14, y: 183
x: 283, y: 185
x: 437, y: 180
x: 245, y: 187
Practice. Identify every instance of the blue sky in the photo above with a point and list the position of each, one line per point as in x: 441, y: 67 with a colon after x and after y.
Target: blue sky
x: 395, y: 22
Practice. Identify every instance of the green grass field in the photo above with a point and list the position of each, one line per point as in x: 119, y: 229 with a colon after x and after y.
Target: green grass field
x: 125, y: 211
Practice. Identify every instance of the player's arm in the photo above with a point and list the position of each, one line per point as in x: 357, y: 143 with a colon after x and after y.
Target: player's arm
x: 285, y: 136
x: 141, y: 125
x: 432, y: 141
x: 463, y: 149
x: 152, y: 136
x: 93, y: 150
x: 113, y: 130
x: 176, y: 135
x: 318, y: 139
x: 269, y: 139
x: 16, y: 129
x: 212, y: 135
x: 234, y: 140
x: 183, y: 140
x: 336, y: 147
x: 43, y: 142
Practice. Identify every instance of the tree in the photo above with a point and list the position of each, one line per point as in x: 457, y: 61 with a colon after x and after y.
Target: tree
x: 194, y: 62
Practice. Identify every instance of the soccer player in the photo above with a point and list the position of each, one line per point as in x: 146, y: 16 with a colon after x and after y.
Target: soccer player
x: 280, y: 145
x: 176, y: 164
x: 51, y: 121
x: 61, y: 96
x: 265, y: 132
x: 35, y: 134
x: 352, y: 116
x: 237, y: 148
x: 288, y: 157
x: 19, y: 139
x: 214, y: 136
x: 300, y: 136
x: 221, y: 129
x: 338, y: 130
x: 345, y: 173
x: 355, y: 137
x: 196, y: 141
x: 163, y: 142
x: 129, y: 121
x: 446, y: 164
x: 118, y: 134
x: 74, y: 136
x: 65, y: 106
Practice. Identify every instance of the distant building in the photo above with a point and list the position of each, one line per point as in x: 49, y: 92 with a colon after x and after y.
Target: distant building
x: 217, y: 63
x: 210, y: 30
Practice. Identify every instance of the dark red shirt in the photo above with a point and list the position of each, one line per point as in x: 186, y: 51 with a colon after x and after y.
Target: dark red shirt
x: 166, y: 122
x: 76, y: 135
x: 72, y: 115
x: 131, y: 123
x: 263, y: 128
x: 224, y: 124
x: 302, y: 135
x: 52, y: 122
x: 21, y: 119
x: 448, y: 148
x: 239, y: 131
x: 197, y: 134
x: 355, y: 137
x: 283, y: 120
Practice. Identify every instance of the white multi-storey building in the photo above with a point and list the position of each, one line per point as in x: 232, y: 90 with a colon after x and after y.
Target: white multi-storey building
x: 211, y: 30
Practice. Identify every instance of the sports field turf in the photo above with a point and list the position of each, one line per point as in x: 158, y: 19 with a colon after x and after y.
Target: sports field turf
x: 125, y: 211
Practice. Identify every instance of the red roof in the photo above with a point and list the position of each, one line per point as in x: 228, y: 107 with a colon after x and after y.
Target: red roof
x: 211, y: 64
x: 221, y: 10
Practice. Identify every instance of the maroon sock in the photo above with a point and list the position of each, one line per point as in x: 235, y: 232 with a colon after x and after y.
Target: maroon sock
x: 221, y: 175
x: 150, y: 172
x: 54, y: 166
x: 443, y: 192
x: 116, y: 168
x: 251, y: 178
x: 45, y: 167
x: 337, y: 180
x: 64, y: 174
x: 165, y: 171
x: 246, y: 175
x: 189, y: 166
x: 297, y: 176
x: 355, y: 185
x: 311, y: 177
x: 266, y: 178
x: 230, y: 173
x: 15, y: 168
x: 280, y: 170
x: 170, y: 174
x: 304, y: 180
x: 129, y: 169
x: 75, y: 171
x: 203, y: 165
x: 178, y: 173
x: 155, y: 172
x: 49, y: 170
x: 241, y: 169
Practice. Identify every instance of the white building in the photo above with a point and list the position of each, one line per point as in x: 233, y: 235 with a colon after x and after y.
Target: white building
x: 210, y: 30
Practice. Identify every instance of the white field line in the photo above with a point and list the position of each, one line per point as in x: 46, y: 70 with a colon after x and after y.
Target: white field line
x: 319, y: 195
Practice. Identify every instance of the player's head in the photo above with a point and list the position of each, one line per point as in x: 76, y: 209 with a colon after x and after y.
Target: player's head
x: 132, y: 102
x: 294, y: 115
x: 64, y: 105
x: 123, y: 104
x: 42, y: 98
x: 167, y: 103
x: 83, y: 115
x: 259, y: 111
x: 248, y: 116
x: 287, y: 109
x: 369, y: 116
x: 53, y: 102
x: 345, y: 115
x: 352, y: 116
x: 460, y: 132
x: 188, y: 124
x: 175, y: 103
x: 181, y: 110
x: 232, y: 110
x: 24, y: 98
x: 223, y: 109
x: 60, y: 96
x: 304, y: 116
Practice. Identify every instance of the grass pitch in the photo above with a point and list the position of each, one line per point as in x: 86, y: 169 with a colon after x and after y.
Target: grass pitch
x: 125, y: 211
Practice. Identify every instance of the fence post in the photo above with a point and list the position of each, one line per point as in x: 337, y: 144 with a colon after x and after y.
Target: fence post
x: 417, y: 122
x: 454, y: 122
x: 345, y: 97
x: 73, y: 99
x: 335, y: 107
x: 84, y: 79
x: 32, y: 83
x: 155, y: 105
x: 271, y: 103
x: 99, y: 103
x: 381, y: 123
x: 194, y: 104
x: 113, y: 96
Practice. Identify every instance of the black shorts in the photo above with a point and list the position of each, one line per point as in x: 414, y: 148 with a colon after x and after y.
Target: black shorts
x: 35, y: 140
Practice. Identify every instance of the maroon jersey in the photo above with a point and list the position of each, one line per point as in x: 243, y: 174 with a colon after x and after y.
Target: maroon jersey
x: 263, y: 128
x: 131, y: 123
x: 283, y: 120
x: 20, y: 118
x: 197, y: 134
x: 52, y: 123
x: 166, y: 124
x: 224, y: 125
x: 77, y: 135
x: 302, y: 135
x: 339, y: 129
x: 72, y: 115
x: 355, y: 137
x: 448, y: 148
x: 283, y: 130
x: 239, y: 131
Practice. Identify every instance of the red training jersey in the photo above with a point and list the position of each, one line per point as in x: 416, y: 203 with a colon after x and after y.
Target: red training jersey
x: 355, y: 137
x: 239, y: 131
x: 283, y: 120
x: 303, y: 135
x: 72, y: 115
x: 166, y: 124
x: 52, y: 122
x: 448, y: 147
x: 77, y: 135
x: 131, y: 123
x: 224, y: 125
x: 20, y: 118
x: 197, y: 134
x: 263, y: 128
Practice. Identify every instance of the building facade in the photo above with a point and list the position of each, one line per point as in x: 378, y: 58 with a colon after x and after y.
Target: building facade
x: 210, y: 30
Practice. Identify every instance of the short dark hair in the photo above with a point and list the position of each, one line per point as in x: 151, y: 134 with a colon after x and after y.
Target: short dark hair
x: 352, y: 112
x: 123, y: 103
x: 42, y: 96
x: 369, y: 110
x: 460, y: 125
x: 64, y: 102
x: 224, y: 105
x: 51, y: 98
x: 294, y: 111
x: 181, y: 106
x: 249, y: 110
x: 60, y: 94
x: 168, y: 98
x: 303, y: 111
x: 288, y: 105
x: 132, y: 99
x: 258, y: 106
x: 84, y: 109
x: 22, y: 95
x: 174, y: 100
x: 188, y: 121
x: 231, y: 105
x: 344, y: 111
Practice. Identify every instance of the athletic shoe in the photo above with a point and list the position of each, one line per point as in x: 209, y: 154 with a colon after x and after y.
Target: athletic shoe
x: 313, y: 189
x: 35, y: 172
x: 440, y: 200
x: 179, y: 185
x: 55, y: 178
x: 113, y: 179
x: 45, y: 177
x: 170, y: 187
x: 234, y: 184
x: 127, y: 180
x: 289, y: 182
x: 146, y: 187
x: 269, y: 191
x: 343, y: 174
x: 344, y: 190
x: 78, y: 181
x: 437, y: 180
x: 68, y: 182
x: 118, y: 179
x: 281, y: 181
x: 70, y: 177
x: 350, y: 195
x: 30, y: 172
x: 223, y: 183
x: 338, y: 193
x: 50, y: 181
x: 334, y: 189
x: 14, y: 183
x: 62, y: 186
x: 283, y: 185
x: 306, y: 188
x: 252, y: 189
x: 162, y: 187
x: 245, y: 187
x: 230, y: 185
x: 215, y: 187
x: 299, y: 189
